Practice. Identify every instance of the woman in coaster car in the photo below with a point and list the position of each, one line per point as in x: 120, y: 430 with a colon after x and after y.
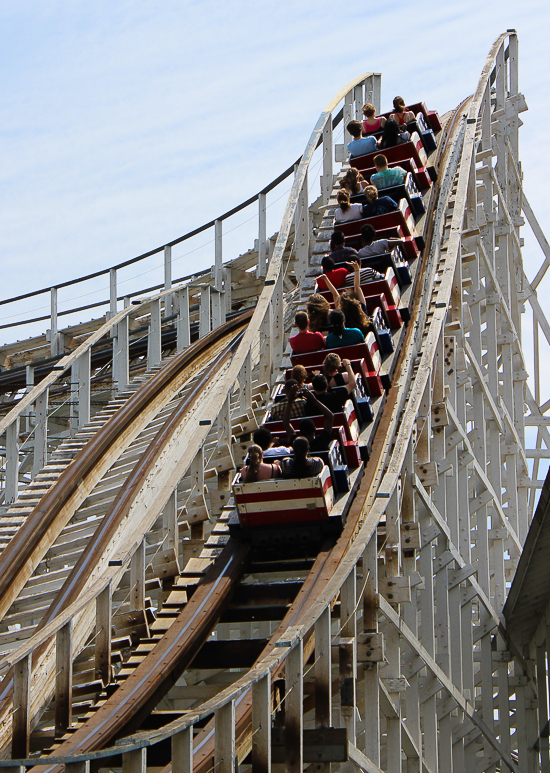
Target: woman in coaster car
x: 318, y: 309
x: 347, y: 211
x: 301, y: 465
x: 400, y: 113
x: 342, y: 335
x: 370, y: 122
x: 353, y: 181
x: 257, y: 470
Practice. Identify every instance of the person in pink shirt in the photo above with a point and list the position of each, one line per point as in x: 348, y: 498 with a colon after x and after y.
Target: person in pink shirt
x: 305, y: 340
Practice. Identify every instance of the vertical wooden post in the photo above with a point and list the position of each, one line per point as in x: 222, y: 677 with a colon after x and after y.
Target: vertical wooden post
x: 167, y: 267
x: 377, y: 92
x: 53, y: 322
x: 182, y: 751
x: 113, y: 303
x: 224, y: 753
x: 227, y: 288
x: 63, y: 679
x: 83, y: 382
x: 204, y: 314
x: 170, y: 522
x: 294, y: 720
x: 135, y: 761
x: 348, y: 116
x: 261, y: 725
x: 137, y: 578
x: 359, y: 99
x: 277, y: 318
x: 302, y: 232
x: 77, y: 767
x: 266, y: 349
x: 348, y: 654
x: 12, y: 461
x: 323, y: 671
x: 21, y: 708
x: 245, y: 383
x: 218, y: 255
x: 29, y: 383
x: 218, y: 308
x: 370, y: 679
x: 154, y: 347
x: 326, y: 179
x: 40, y: 432
x: 183, y: 331
x: 103, y: 635
x: 121, y: 356
x: 262, y: 236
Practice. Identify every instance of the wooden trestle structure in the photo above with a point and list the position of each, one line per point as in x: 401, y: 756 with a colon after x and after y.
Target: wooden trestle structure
x: 135, y: 634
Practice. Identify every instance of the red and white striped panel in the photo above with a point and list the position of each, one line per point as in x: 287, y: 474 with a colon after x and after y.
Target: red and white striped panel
x: 376, y: 359
x: 393, y: 285
x: 419, y: 145
x: 284, y: 501
x: 406, y: 211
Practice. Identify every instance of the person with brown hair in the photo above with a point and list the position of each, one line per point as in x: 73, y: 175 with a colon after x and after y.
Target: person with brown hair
x: 299, y: 373
x: 346, y: 211
x: 341, y: 335
x: 353, y: 181
x: 377, y: 205
x: 317, y: 310
x: 384, y: 177
x: 400, y: 114
x: 359, y: 145
x: 360, y: 276
x: 305, y: 340
x: 256, y: 469
x: 370, y: 122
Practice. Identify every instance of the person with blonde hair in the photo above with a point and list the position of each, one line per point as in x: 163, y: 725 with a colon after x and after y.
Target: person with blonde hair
x: 377, y: 205
x: 347, y: 211
x: 370, y: 122
x: 257, y: 470
x: 400, y: 114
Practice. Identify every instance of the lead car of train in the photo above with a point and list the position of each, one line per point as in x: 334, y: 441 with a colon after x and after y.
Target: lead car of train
x: 299, y: 512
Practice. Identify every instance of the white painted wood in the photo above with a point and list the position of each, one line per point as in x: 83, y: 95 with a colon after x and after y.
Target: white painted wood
x: 261, y: 726
x: 294, y: 721
x: 83, y: 375
x: 11, y: 481
x: 40, y: 432
x: 218, y: 255
x: 121, y: 356
x: 167, y: 267
x: 205, y: 318
x: 182, y: 751
x: 113, y: 302
x: 137, y: 578
x: 154, y: 354
x: 183, y: 330
x: 224, y: 755
x: 262, y: 236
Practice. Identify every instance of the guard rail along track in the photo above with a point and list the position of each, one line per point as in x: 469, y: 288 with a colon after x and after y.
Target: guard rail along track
x: 390, y: 645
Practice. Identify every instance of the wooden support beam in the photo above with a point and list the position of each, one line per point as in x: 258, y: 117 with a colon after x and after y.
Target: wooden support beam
x: 21, y: 708
x: 261, y: 725
x: 182, y: 751
x: 135, y: 761
x: 103, y: 635
x: 224, y: 754
x: 63, y: 679
x: 294, y: 720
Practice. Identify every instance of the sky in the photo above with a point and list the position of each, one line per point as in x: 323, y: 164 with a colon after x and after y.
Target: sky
x: 124, y: 125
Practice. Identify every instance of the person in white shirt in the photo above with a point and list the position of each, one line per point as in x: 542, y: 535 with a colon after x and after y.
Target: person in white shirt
x: 347, y: 211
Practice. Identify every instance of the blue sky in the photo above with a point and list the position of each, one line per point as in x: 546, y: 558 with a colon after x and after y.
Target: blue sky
x: 124, y: 125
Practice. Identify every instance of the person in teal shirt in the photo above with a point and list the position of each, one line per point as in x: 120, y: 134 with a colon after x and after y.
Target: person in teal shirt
x: 342, y: 335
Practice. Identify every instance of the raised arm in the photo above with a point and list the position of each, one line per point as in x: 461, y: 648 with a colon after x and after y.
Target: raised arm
x: 326, y: 412
x: 350, y: 386
x: 331, y: 287
x: 357, y: 282
x: 290, y: 431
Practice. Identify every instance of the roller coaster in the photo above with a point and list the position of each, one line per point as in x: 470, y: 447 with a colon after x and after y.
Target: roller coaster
x: 142, y: 629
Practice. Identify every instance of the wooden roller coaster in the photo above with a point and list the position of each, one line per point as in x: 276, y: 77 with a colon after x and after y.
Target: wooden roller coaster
x: 136, y: 633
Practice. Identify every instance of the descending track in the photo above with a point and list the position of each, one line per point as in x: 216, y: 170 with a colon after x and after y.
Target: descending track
x: 126, y: 646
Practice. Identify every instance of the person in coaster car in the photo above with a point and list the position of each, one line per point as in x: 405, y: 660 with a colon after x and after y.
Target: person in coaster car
x: 360, y: 146
x: 318, y: 441
x: 305, y: 340
x: 301, y: 465
x: 257, y: 470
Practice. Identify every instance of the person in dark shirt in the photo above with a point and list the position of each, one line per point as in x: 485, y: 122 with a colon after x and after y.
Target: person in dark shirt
x: 338, y: 250
x: 301, y: 465
x: 317, y: 441
x: 333, y: 399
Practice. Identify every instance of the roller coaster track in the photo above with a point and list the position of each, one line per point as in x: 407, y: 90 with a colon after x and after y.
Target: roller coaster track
x: 125, y: 645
